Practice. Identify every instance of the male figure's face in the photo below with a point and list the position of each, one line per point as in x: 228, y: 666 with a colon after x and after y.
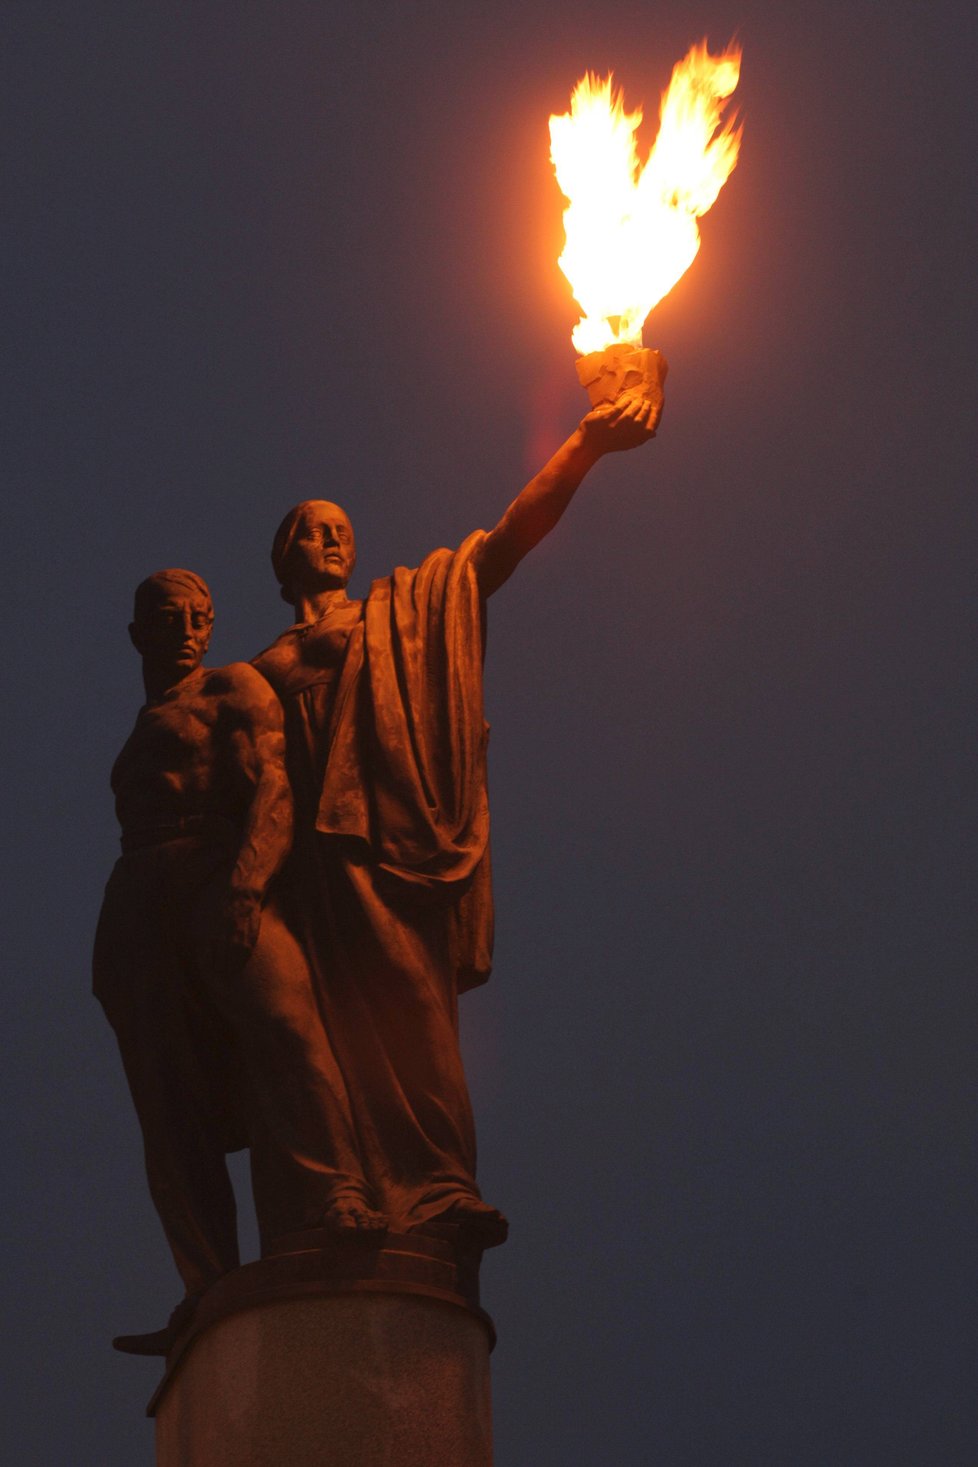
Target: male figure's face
x: 323, y: 552
x: 172, y: 631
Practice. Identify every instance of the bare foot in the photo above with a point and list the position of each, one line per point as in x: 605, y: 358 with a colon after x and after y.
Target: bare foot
x: 352, y: 1216
x: 160, y: 1341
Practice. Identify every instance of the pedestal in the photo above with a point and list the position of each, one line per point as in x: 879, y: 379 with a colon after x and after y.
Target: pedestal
x: 298, y: 1362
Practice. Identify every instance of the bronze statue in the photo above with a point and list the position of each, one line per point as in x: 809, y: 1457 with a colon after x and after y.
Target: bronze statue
x: 206, y: 987
x: 290, y: 984
x: 389, y: 873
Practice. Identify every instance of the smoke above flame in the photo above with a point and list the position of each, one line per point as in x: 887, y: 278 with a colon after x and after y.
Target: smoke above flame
x: 631, y: 231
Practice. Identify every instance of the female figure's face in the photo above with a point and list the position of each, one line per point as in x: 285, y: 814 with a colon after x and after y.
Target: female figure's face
x: 323, y: 552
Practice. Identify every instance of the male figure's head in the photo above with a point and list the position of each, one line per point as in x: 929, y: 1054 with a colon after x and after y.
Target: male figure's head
x: 173, y: 617
x: 314, y: 550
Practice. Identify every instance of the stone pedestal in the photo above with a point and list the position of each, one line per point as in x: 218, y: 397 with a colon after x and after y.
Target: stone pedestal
x: 295, y: 1362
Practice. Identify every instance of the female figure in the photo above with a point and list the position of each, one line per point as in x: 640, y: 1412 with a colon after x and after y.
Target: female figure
x: 389, y: 873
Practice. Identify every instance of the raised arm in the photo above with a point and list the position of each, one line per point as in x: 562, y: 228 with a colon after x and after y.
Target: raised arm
x: 533, y: 513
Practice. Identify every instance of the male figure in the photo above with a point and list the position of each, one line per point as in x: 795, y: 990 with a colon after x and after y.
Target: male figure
x: 389, y: 875
x: 206, y: 987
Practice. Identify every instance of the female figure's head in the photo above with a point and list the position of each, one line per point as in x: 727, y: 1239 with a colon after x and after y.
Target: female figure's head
x: 313, y: 550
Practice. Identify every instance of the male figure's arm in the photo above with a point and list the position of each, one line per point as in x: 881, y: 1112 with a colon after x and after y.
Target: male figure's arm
x: 533, y: 514
x: 255, y: 744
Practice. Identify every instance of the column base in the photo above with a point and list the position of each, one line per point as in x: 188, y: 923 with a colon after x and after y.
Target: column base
x: 334, y: 1357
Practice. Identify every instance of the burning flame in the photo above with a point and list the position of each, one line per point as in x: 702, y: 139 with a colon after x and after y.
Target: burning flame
x: 631, y: 232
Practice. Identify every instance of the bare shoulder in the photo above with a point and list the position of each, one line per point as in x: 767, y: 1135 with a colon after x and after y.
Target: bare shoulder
x: 241, y: 687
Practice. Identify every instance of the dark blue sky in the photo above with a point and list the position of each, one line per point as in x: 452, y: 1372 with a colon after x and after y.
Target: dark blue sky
x: 724, y: 1070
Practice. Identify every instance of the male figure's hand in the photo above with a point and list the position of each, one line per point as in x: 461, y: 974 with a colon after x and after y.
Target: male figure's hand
x: 228, y: 923
x: 625, y: 423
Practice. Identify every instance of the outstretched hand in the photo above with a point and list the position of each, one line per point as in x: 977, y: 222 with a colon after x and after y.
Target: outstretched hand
x: 227, y: 925
x: 625, y: 423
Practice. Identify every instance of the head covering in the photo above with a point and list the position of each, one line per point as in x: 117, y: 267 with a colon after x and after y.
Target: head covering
x: 282, y: 544
x: 148, y: 591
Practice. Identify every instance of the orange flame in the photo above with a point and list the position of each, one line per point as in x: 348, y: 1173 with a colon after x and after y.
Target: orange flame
x: 631, y: 232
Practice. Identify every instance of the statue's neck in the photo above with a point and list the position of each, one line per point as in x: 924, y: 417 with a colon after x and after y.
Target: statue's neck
x: 159, y: 684
x: 316, y: 605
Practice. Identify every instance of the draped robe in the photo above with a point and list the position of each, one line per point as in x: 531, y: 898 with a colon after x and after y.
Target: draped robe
x: 389, y: 877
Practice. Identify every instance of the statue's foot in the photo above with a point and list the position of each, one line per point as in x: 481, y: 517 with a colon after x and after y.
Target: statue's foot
x: 481, y: 1224
x: 351, y: 1217
x: 160, y: 1341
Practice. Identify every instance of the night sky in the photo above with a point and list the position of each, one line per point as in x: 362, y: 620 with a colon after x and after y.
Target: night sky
x: 723, y: 1073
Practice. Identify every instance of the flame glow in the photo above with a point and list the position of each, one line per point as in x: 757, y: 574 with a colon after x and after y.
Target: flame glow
x: 632, y: 231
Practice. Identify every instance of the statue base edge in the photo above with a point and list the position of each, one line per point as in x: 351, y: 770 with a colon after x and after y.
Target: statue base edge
x: 431, y: 1265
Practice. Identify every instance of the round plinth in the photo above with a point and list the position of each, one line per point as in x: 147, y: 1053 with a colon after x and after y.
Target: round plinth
x: 333, y: 1357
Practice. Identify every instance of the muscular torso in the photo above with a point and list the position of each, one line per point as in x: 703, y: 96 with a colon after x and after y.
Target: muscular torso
x: 180, y: 761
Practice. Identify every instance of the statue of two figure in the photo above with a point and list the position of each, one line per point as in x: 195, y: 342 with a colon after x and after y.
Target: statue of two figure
x: 304, y: 888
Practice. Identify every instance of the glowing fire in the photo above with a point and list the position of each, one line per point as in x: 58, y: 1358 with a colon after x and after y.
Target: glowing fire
x: 632, y: 231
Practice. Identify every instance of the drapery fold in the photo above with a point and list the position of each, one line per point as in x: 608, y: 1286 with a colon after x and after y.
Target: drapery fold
x: 406, y: 763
